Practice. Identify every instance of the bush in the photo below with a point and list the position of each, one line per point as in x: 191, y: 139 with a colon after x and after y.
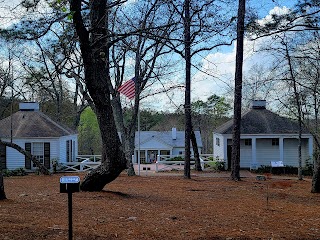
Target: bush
x: 217, y: 166
x: 178, y: 158
x: 15, y: 172
x: 308, y: 169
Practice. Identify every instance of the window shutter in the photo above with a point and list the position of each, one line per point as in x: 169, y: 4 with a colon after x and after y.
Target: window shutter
x: 27, y: 147
x: 47, y: 155
x: 3, y: 157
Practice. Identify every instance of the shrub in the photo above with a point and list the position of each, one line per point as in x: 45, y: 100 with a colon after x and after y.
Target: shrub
x: 178, y: 158
x: 217, y: 166
x: 15, y: 172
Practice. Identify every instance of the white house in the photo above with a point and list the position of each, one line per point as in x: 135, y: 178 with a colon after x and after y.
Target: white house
x: 38, y: 134
x: 153, y: 143
x: 265, y: 137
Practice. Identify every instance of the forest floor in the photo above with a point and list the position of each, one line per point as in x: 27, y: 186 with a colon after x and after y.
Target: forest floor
x: 162, y: 206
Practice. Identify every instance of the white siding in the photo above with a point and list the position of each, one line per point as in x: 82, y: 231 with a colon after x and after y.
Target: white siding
x: 218, y: 150
x: 245, y: 155
x: 16, y: 159
x: 291, y: 155
x: 62, y: 151
x: 266, y: 152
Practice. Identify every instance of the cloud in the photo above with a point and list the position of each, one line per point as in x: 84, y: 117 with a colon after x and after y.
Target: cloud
x: 275, y: 11
x: 216, y: 75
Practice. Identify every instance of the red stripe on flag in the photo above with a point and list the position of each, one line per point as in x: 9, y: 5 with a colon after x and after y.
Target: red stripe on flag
x: 128, y: 88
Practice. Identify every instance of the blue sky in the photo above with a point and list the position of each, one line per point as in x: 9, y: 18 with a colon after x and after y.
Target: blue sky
x: 221, y: 64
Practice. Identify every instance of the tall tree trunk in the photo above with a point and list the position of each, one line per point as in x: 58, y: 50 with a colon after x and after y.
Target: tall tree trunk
x: 2, y: 193
x: 315, y: 187
x: 187, y: 104
x: 298, y: 105
x: 195, y: 152
x: 235, y: 160
x: 95, y: 53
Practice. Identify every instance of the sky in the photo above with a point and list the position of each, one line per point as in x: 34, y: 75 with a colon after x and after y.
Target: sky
x: 220, y: 65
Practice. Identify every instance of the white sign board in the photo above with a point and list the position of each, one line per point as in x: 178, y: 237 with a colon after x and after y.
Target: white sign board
x: 70, y: 179
x: 277, y: 164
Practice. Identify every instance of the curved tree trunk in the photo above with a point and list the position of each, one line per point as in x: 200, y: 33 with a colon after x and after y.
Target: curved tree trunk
x: 2, y: 193
x: 195, y: 152
x: 95, y: 47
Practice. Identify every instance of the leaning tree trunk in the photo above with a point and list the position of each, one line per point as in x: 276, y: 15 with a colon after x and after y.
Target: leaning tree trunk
x: 235, y: 160
x: 2, y: 193
x: 95, y: 54
x: 195, y: 152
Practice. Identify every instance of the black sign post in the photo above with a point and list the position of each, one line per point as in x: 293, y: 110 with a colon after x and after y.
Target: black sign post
x: 69, y: 184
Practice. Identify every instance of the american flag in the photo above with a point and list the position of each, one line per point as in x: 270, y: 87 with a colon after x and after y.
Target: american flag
x: 128, y: 88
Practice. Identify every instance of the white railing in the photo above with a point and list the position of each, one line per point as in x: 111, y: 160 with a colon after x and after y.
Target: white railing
x: 79, y: 166
x: 165, y: 162
x: 92, y: 158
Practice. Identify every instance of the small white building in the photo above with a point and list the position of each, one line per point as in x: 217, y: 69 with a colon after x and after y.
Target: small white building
x: 153, y: 143
x: 38, y: 134
x: 265, y: 137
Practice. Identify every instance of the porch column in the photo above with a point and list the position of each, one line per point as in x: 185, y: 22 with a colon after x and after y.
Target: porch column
x: 310, y: 143
x: 254, y: 151
x: 145, y: 156
x: 281, y: 149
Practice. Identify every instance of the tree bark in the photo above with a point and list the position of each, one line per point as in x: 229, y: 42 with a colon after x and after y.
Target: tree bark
x: 187, y: 104
x: 95, y: 53
x: 315, y: 187
x: 2, y: 193
x: 195, y: 152
x: 235, y: 160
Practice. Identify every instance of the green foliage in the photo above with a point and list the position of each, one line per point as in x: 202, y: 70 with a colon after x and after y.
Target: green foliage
x: 178, y: 158
x: 306, y: 171
x: 15, y: 172
x: 216, y: 166
x: 215, y: 105
x: 89, y: 137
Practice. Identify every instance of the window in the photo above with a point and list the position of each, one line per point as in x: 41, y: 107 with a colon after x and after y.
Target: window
x: 218, y: 141
x: 275, y: 141
x: 69, y: 151
x: 248, y: 142
x: 38, y: 151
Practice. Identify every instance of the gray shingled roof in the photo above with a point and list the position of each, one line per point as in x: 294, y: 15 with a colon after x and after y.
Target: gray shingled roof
x: 166, y: 138
x: 262, y: 121
x: 32, y: 124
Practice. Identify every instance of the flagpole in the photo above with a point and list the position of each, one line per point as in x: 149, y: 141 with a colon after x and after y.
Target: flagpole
x: 138, y: 141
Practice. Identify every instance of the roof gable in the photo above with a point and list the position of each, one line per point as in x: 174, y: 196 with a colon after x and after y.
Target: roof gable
x: 32, y: 124
x: 262, y: 121
x: 165, y: 138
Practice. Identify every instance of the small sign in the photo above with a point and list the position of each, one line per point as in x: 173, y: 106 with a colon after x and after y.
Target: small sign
x: 70, y: 179
x: 69, y: 184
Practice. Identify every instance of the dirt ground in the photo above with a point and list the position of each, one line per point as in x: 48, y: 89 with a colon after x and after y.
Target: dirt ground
x: 162, y: 207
